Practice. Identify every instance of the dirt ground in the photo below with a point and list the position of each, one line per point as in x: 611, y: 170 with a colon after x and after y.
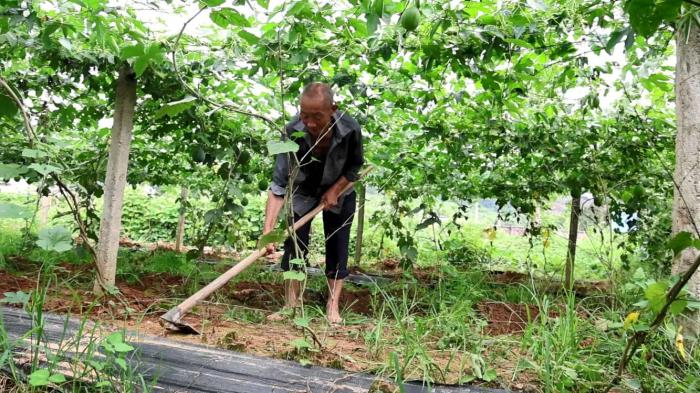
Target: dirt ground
x: 227, y: 324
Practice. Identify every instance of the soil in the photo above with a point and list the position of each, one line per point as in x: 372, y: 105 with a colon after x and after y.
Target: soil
x: 581, y: 288
x: 11, y: 283
x: 209, y: 253
x: 226, y: 325
x: 507, y: 318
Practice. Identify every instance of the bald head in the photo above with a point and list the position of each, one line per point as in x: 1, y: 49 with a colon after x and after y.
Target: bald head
x: 318, y: 90
x: 317, y: 107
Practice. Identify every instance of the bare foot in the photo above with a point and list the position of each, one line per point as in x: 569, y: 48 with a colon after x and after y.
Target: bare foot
x: 333, y: 315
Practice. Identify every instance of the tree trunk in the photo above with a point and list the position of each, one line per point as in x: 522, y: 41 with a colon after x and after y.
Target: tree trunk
x: 180, y: 234
x: 115, y: 179
x: 686, y: 198
x: 573, y: 238
x: 44, y: 207
x: 360, y: 224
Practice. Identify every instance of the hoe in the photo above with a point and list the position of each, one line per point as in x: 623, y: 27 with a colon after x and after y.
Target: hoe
x: 172, y: 320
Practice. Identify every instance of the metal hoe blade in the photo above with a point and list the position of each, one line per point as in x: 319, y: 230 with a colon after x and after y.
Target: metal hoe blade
x: 171, y: 321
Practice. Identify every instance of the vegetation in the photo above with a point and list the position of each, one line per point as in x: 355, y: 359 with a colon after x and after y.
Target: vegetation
x: 528, y: 164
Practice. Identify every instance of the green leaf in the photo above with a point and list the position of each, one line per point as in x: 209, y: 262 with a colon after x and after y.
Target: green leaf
x: 8, y: 107
x: 141, y: 64
x: 378, y: 7
x: 154, y: 51
x: 123, y: 347
x: 299, y: 8
x: 615, y: 39
x: 57, y: 378
x: 277, y: 147
x: 294, y: 275
x: 18, y: 297
x: 121, y: 362
x: 264, y: 3
x: 680, y: 242
x: 12, y: 211
x: 99, y: 366
x: 44, y: 169
x: 519, y: 42
x: 646, y: 15
x: 300, y: 343
x: 410, y: 252
x: 228, y: 16
x: 250, y: 38
x: 490, y: 375
x: 677, y: 306
x: 93, y: 4
x: 656, y: 295
x: 276, y: 236
x: 213, y: 3
x: 65, y: 43
x: 372, y: 23
x: 115, y: 338
x: 643, y: 18
x: 302, y: 322
x: 39, y: 377
x: 130, y: 51
x: 33, y: 153
x: 212, y: 215
x: 55, y: 239
x: 4, y: 24
x: 8, y: 171
x: 176, y: 107
x: 669, y: 10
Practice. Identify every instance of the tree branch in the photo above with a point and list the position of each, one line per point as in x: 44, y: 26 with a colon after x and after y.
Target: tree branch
x: 189, y: 88
x: 67, y: 194
x: 31, y: 135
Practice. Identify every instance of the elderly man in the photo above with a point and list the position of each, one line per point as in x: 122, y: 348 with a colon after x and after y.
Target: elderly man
x: 329, y: 157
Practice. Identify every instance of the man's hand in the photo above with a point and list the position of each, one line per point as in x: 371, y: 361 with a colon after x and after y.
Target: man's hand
x: 271, y: 249
x: 330, y: 199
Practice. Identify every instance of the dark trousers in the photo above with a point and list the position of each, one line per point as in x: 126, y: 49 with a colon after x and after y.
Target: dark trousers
x: 336, y: 230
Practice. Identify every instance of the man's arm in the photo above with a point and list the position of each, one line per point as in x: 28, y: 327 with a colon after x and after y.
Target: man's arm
x: 350, y: 172
x: 272, y: 211
x: 275, y: 196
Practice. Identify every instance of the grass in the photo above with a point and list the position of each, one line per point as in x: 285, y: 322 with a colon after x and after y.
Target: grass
x: 150, y: 218
x: 433, y: 331
x: 85, y: 360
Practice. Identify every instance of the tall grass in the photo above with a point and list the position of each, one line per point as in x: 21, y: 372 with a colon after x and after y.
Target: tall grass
x: 86, y: 359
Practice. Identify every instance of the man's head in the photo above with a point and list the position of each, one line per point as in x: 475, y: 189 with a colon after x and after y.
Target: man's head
x: 317, y: 108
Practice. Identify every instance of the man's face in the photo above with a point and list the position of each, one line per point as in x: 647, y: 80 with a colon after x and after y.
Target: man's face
x: 316, y: 114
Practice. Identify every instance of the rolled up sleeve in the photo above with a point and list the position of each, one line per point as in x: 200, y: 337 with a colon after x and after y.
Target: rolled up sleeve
x: 279, y: 175
x: 355, y: 158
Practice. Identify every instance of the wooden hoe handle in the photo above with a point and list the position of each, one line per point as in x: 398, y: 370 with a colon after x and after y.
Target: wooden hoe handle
x: 178, y: 311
